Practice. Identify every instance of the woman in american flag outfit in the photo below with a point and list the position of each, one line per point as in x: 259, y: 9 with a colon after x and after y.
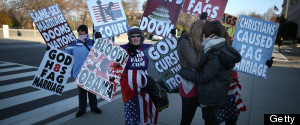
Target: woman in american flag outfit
x: 138, y: 106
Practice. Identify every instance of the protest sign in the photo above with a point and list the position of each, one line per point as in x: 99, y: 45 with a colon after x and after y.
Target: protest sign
x: 163, y: 56
x: 214, y: 8
x: 108, y: 17
x: 54, y: 71
x: 254, y: 39
x: 229, y: 22
x: 160, y: 17
x: 102, y: 69
x: 53, y: 26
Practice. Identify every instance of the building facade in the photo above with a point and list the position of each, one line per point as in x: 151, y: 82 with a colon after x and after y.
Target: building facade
x: 293, y: 12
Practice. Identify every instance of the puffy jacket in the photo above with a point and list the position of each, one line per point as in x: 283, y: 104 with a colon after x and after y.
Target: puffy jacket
x: 79, y: 52
x: 214, y: 78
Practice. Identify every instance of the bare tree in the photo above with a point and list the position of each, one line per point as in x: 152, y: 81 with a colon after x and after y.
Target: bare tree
x: 19, y: 10
x: 3, y: 6
x: 269, y: 14
x: 131, y: 8
x: 134, y: 5
x: 251, y: 14
x: 185, y: 20
x: 144, y: 5
x: 255, y: 15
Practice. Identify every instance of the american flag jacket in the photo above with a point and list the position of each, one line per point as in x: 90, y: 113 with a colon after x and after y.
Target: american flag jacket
x: 138, y: 106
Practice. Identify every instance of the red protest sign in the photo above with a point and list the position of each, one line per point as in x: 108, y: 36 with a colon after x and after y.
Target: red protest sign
x: 102, y: 69
x: 214, y: 8
x: 160, y: 17
x: 53, y: 26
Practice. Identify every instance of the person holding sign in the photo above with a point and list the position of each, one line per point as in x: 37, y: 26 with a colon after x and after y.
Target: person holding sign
x: 139, y: 107
x: 189, y: 52
x: 213, y: 78
x: 80, y: 49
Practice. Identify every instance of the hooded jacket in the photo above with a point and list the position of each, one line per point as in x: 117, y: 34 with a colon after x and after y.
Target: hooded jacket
x: 213, y: 79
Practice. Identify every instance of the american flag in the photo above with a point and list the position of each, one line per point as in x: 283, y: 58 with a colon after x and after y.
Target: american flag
x: 139, y: 108
x: 234, y: 101
x: 115, y: 10
x: 275, y: 8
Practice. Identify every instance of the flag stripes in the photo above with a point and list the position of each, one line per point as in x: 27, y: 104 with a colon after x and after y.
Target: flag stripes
x: 107, y: 17
x: 143, y: 112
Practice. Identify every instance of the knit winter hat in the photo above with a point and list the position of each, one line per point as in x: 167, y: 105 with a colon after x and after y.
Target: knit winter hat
x: 173, y: 32
x: 83, y: 27
x: 203, y: 16
x: 135, y: 30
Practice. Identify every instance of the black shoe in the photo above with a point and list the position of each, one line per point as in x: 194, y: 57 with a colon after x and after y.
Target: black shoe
x: 97, y: 111
x: 80, y: 113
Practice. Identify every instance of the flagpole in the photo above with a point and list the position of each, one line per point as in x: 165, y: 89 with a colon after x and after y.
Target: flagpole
x: 286, y: 9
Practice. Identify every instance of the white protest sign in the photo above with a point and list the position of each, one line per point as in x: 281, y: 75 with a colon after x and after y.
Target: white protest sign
x: 54, y: 71
x: 102, y: 69
x: 254, y: 39
x: 108, y: 17
x: 53, y: 26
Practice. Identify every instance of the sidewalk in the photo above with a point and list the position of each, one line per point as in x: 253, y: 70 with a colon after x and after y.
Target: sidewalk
x: 278, y: 94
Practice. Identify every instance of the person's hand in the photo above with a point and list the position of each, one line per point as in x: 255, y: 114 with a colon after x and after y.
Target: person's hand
x: 132, y: 51
x: 48, y: 48
x: 208, y: 38
x: 98, y: 35
x: 205, y: 40
x: 269, y: 62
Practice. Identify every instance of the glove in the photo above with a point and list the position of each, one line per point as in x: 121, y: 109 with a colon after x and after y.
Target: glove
x: 132, y: 49
x: 269, y: 62
x: 98, y: 35
x: 48, y: 48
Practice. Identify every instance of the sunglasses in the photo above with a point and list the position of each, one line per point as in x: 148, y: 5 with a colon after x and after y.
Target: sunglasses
x: 132, y: 36
x: 80, y: 30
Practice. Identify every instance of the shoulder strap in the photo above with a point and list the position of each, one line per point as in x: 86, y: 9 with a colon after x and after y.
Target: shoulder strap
x: 85, y: 45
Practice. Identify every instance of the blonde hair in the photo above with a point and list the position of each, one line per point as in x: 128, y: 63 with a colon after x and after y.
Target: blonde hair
x: 195, y: 34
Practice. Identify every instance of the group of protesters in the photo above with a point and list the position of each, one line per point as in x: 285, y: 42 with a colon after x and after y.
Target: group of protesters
x: 206, y: 75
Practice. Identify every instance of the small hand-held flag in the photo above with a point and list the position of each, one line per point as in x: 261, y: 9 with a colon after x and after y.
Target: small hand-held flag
x: 275, y: 8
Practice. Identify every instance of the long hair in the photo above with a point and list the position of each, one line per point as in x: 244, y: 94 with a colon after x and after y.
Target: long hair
x: 215, y: 27
x: 195, y: 34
